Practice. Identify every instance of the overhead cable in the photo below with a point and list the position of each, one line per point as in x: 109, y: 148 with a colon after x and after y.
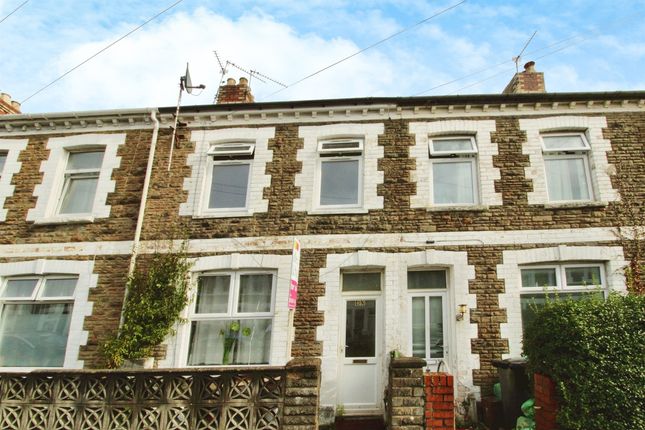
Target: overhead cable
x: 102, y: 50
x: 14, y: 11
x: 369, y: 47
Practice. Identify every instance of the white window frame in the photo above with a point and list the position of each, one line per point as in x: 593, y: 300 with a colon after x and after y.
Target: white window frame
x: 231, y: 157
x: 336, y: 155
x: 426, y: 293
x: 231, y: 313
x: 486, y: 173
x: 598, y: 165
x: 308, y: 179
x: 82, y: 307
x: 249, y: 141
x: 12, y: 147
x: 71, y: 174
x: 49, y: 193
x: 560, y: 274
x: 568, y: 154
x: 446, y: 157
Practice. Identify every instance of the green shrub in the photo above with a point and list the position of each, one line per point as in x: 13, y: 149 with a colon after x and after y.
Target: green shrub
x: 155, y: 299
x: 594, y: 350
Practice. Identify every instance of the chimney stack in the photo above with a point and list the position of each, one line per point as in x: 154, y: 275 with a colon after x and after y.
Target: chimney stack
x: 8, y: 106
x: 528, y: 81
x: 234, y: 92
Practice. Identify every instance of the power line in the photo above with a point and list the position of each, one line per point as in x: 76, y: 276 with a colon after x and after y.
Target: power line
x: 14, y: 11
x: 423, y: 21
x: 102, y: 50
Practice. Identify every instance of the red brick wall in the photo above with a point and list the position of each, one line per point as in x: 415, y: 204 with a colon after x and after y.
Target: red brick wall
x: 440, y: 405
x: 546, y: 403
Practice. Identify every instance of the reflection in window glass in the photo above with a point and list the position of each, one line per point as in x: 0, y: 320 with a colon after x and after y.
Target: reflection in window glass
x: 583, y: 276
x: 339, y: 182
x: 229, y: 186
x: 370, y: 281
x: 559, y: 142
x: 419, y: 327
x: 19, y: 287
x: 539, y: 277
x: 360, y: 328
x: 436, y: 327
x: 452, y: 145
x: 59, y: 287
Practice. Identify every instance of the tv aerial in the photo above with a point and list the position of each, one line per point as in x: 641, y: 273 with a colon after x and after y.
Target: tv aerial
x: 185, y: 84
x: 224, y: 66
x: 516, y: 59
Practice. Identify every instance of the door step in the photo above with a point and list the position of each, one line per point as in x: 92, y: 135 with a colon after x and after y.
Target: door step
x: 371, y: 422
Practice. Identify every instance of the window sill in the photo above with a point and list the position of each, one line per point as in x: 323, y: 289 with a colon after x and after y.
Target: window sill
x: 227, y: 214
x: 449, y: 208
x: 576, y: 204
x: 76, y: 219
x: 338, y: 211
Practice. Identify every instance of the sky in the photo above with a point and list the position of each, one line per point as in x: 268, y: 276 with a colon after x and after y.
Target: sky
x: 580, y: 45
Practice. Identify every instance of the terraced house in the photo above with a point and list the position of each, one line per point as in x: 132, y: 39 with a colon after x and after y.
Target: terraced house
x: 426, y: 225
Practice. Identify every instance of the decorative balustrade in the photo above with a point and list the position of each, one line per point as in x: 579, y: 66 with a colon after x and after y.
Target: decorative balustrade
x: 173, y: 399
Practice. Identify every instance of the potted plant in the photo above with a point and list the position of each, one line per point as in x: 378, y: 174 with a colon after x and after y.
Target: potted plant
x: 155, y: 296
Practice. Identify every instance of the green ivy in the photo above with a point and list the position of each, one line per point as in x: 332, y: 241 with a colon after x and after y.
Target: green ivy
x: 594, y: 350
x: 155, y: 298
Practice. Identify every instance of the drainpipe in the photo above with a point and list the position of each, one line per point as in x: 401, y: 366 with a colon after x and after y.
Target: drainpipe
x: 144, y: 194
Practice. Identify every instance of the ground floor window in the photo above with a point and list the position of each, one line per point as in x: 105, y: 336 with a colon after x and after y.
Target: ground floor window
x: 232, y: 319
x: 572, y: 281
x: 35, y: 316
x: 427, y: 290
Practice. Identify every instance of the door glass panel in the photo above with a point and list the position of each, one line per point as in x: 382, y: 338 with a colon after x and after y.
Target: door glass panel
x: 360, y: 328
x: 419, y: 327
x: 426, y: 279
x: 436, y: 327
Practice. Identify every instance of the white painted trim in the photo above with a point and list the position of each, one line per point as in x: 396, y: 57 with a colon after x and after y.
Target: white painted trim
x: 77, y: 337
x: 509, y: 271
x: 486, y: 176
x: 177, y: 352
x: 592, y: 128
x: 396, y: 310
x: 49, y: 191
x: 325, y: 241
x: 200, y: 161
x: 308, y: 180
x: 11, y: 166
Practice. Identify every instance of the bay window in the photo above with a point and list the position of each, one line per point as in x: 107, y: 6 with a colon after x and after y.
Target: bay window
x: 428, y: 294
x: 232, y: 319
x: 454, y: 170
x: 35, y: 316
x: 548, y: 282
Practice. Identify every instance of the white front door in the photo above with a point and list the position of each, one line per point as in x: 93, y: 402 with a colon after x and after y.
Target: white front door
x: 360, y: 353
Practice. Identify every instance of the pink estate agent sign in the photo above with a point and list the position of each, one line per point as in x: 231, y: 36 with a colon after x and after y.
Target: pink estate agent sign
x: 295, y: 268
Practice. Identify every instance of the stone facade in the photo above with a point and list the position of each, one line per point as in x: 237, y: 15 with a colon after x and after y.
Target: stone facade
x: 391, y: 223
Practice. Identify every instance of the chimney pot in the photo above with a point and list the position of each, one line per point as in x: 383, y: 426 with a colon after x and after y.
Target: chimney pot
x: 230, y: 81
x: 8, y: 106
x: 530, y: 67
x: 244, y: 82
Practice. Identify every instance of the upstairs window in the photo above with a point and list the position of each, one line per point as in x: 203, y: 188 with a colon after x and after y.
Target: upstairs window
x: 35, y: 316
x: 81, y: 178
x: 454, y: 170
x: 232, y: 319
x: 229, y: 176
x: 3, y: 159
x: 573, y: 281
x: 340, y: 173
x: 566, y: 162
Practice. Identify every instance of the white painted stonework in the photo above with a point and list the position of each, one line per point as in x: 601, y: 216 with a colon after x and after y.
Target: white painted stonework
x: 600, y: 168
x: 12, y: 148
x: 197, y: 186
x: 49, y: 191
x: 82, y: 306
x: 397, y: 312
x: 486, y: 149
x: 308, y: 180
x: 611, y: 256
x: 177, y: 354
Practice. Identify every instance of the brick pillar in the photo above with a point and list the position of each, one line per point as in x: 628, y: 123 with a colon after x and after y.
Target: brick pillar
x: 405, y: 396
x: 546, y: 402
x: 440, y: 401
x: 302, y: 394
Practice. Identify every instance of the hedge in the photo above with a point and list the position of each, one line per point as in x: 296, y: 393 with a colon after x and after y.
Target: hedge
x: 594, y: 350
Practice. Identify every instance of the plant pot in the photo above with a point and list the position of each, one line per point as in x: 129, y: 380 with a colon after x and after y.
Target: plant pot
x: 138, y: 363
